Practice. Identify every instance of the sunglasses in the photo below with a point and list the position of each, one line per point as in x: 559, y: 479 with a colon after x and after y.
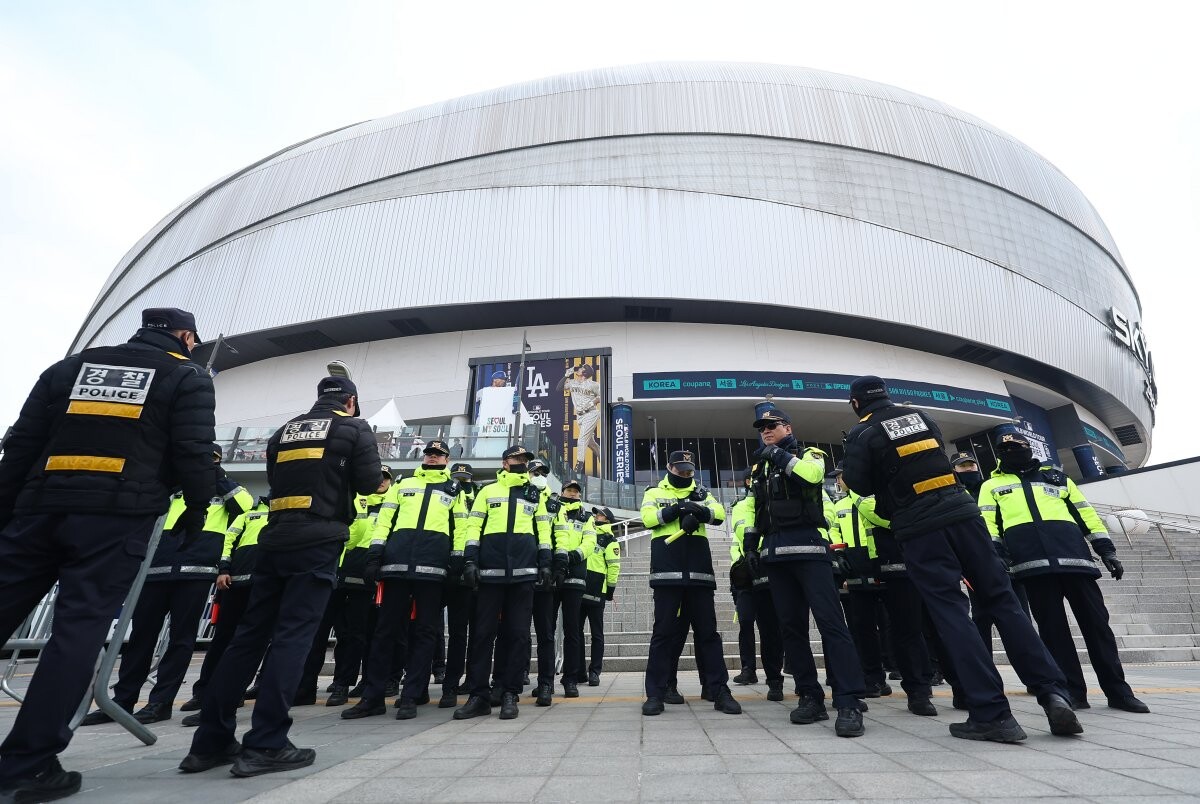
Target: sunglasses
x: 769, y: 426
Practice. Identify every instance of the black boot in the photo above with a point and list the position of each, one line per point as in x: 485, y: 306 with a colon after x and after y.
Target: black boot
x: 747, y: 676
x: 407, y: 709
x: 192, y: 705
x: 652, y: 706
x: 774, y: 690
x: 877, y: 690
x: 365, y: 708
x: 153, y: 713
x: 476, y: 706
x: 1126, y: 704
x: 508, y: 706
x: 449, y: 699
x: 191, y: 721
x: 849, y: 723
x: 593, y: 679
x: 495, y: 695
x: 439, y: 676
x: 51, y: 783
x: 1061, y: 716
x: 358, y: 690
x: 570, y: 689
x: 1003, y: 730
x: 304, y: 698
x: 392, y: 688
x: 673, y: 696
x: 198, y: 763
x: 255, y: 762
x: 725, y: 703
x: 921, y: 706
x: 339, y: 695
x: 251, y: 693
x: 545, y: 695
x: 809, y: 710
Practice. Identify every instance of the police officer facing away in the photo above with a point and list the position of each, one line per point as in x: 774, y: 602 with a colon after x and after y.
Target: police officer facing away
x: 574, y: 541
x: 681, y: 575
x: 1046, y: 524
x: 787, y: 508
x: 316, y: 464
x: 754, y: 606
x: 103, y: 439
x: 896, y: 453
x: 505, y: 550
x: 603, y: 571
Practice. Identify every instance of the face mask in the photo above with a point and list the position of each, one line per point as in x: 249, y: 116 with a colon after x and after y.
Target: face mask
x: 970, y: 479
x: 1016, y: 456
x: 538, y: 481
x: 518, y: 468
x: 432, y: 467
x: 679, y: 482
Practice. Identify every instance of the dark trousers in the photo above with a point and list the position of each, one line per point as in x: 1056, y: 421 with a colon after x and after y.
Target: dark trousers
x: 460, y: 604
x: 983, y: 620
x: 937, y: 560
x: 346, y: 616
x: 864, y: 627
x: 677, y: 652
x: 287, y: 600
x: 905, y: 617
x: 94, y: 559
x: 545, y: 616
x: 184, y: 602
x: 675, y: 609
x: 416, y: 640
x: 569, y: 600
x: 1046, y: 596
x: 232, y: 606
x: 743, y: 603
x: 398, y: 657
x: 439, y: 644
x: 798, y: 587
x: 593, y: 616
x: 502, y: 610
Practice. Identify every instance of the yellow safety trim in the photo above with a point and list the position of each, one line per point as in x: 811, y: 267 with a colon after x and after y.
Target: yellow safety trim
x: 106, y: 409
x: 934, y: 483
x: 83, y: 463
x: 176, y: 354
x: 301, y: 454
x: 917, y: 446
x: 287, y: 503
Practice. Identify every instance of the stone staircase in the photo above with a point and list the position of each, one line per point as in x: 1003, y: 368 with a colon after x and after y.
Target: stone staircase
x: 1155, y: 608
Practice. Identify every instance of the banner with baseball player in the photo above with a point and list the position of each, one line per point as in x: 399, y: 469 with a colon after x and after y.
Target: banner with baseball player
x: 566, y: 395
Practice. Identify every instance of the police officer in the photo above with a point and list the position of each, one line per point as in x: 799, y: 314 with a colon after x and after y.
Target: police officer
x: 787, y: 508
x: 754, y: 605
x: 545, y: 598
x: 181, y: 574
x: 896, y: 454
x: 1045, y: 525
x: 870, y: 548
x: 574, y: 541
x: 603, y: 571
x: 233, y: 593
x: 459, y: 596
x: 411, y: 555
x: 506, y: 548
x: 681, y: 575
x: 103, y: 439
x: 316, y: 463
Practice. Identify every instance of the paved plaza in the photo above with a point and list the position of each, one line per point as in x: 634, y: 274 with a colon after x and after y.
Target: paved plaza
x: 600, y: 748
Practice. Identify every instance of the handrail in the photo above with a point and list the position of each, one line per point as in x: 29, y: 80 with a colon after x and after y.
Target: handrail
x: 1122, y: 514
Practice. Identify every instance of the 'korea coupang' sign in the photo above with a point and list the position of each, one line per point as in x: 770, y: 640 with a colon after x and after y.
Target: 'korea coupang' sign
x: 743, y: 384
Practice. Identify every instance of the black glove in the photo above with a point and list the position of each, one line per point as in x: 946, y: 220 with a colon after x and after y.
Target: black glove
x: 1113, y: 565
x: 670, y: 513
x: 574, y: 558
x: 455, y: 568
x: 609, y: 592
x: 689, y: 523
x: 843, y: 565
x: 371, y: 570
x: 698, y: 510
x: 779, y: 457
x: 752, y: 560
x: 545, y: 577
x: 224, y: 567
x: 471, y: 574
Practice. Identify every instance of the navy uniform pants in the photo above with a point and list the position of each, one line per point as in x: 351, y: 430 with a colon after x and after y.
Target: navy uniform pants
x: 287, y: 600
x: 743, y: 603
x: 1046, y: 596
x: 591, y: 614
x: 675, y: 609
x: 983, y: 620
x: 94, y: 559
x: 545, y: 614
x: 184, y: 601
x: 569, y: 599
x: 937, y: 560
x: 416, y: 638
x: 346, y: 616
x: 502, y: 612
x: 232, y: 606
x: 905, y: 619
x: 807, y: 585
x: 460, y: 604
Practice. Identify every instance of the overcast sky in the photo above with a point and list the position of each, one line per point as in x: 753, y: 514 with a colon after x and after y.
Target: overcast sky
x: 114, y: 112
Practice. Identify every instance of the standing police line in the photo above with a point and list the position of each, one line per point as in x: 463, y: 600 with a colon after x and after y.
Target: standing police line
x: 109, y: 434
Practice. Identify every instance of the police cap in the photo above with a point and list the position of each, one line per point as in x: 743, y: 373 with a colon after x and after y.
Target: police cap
x: 867, y: 388
x: 386, y: 471
x: 572, y: 484
x: 341, y: 386
x: 1007, y: 433
x: 461, y: 471
x: 772, y: 415
x: 682, y: 459
x: 962, y: 457
x: 437, y: 447
x: 169, y: 318
x: 517, y: 451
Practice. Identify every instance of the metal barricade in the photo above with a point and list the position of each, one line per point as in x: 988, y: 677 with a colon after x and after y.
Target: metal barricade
x: 32, y: 635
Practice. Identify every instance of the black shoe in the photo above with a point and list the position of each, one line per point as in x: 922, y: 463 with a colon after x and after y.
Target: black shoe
x: 364, y: 708
x: 1129, y: 704
x: 508, y: 706
x: 652, y: 706
x: 849, y: 723
x: 570, y: 689
x: 308, y: 698
x: 191, y: 721
x: 862, y: 706
x: 339, y: 695
x: 392, y: 688
x: 774, y: 690
x: 877, y: 690
x: 545, y: 695
x: 725, y: 703
x: 1061, y: 717
x: 192, y: 705
x: 357, y: 691
x: 922, y: 706
x: 747, y: 676
x: 1004, y: 730
x: 959, y: 701
x: 673, y: 696
x: 809, y: 710
x: 332, y: 684
x: 439, y: 676
x: 52, y: 783
x: 153, y: 713
x: 1080, y: 703
x: 198, y: 763
x: 476, y: 706
x: 251, y: 693
x: 894, y: 676
x: 96, y: 718
x: 938, y: 679
x: 255, y: 762
x: 593, y: 679
x: 420, y: 700
x: 449, y: 699
x: 495, y: 695
x: 407, y: 709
